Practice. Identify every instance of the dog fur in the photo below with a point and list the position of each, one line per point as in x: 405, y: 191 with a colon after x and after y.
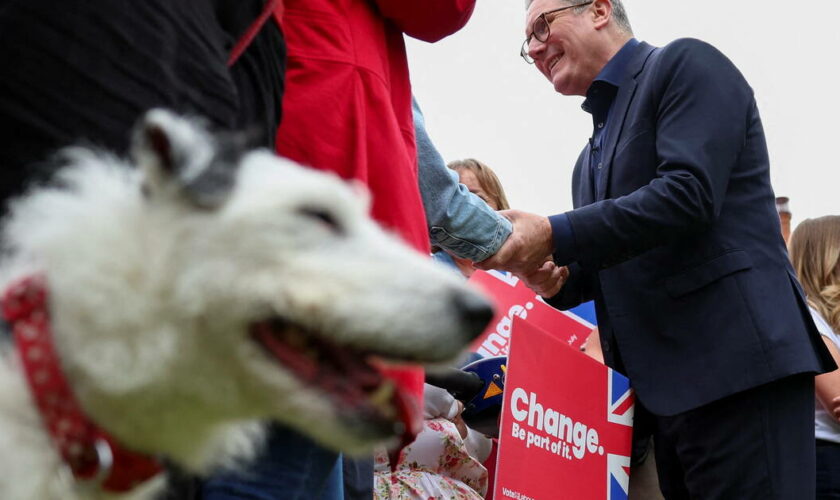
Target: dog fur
x: 155, y: 274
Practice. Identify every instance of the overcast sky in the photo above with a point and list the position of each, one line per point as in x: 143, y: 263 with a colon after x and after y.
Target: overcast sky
x: 481, y: 100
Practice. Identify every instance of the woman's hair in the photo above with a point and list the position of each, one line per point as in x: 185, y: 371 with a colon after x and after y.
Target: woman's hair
x: 486, y: 178
x: 815, y: 252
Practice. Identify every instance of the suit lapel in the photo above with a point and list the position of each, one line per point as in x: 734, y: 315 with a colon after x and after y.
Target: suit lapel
x: 619, y: 113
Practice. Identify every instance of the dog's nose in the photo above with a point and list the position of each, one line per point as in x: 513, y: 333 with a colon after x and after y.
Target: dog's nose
x: 474, y: 310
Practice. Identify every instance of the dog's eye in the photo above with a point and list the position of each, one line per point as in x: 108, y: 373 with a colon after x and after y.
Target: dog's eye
x: 321, y: 216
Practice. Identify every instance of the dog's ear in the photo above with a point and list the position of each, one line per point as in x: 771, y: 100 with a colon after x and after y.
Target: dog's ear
x: 180, y: 157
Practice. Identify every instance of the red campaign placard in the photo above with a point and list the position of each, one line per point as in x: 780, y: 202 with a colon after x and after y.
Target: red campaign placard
x: 567, y: 423
x: 513, y: 299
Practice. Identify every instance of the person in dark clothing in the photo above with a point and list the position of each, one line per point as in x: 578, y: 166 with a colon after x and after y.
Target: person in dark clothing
x: 83, y: 71
x: 675, y: 236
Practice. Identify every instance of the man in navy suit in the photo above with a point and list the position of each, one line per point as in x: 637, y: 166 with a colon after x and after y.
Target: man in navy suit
x: 676, y: 237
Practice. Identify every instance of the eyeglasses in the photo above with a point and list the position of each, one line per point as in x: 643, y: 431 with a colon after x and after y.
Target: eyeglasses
x: 540, y: 30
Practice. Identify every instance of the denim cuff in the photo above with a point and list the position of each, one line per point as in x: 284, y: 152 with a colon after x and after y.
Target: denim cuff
x: 499, y: 229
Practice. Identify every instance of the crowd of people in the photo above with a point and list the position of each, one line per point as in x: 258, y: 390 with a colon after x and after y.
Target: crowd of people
x: 673, y: 234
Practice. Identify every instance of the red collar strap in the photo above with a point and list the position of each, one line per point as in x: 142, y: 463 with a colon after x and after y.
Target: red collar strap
x: 90, y: 452
x: 272, y: 8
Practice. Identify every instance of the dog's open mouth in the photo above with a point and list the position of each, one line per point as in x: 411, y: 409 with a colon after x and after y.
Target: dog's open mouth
x: 349, y: 376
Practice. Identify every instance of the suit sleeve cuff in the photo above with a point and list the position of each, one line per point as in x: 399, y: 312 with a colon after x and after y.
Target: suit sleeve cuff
x: 564, y: 239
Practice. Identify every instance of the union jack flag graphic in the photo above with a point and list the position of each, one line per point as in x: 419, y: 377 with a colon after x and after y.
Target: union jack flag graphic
x: 619, y: 411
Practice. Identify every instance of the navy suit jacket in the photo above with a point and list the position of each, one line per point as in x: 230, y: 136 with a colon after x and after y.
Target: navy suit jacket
x: 681, y: 246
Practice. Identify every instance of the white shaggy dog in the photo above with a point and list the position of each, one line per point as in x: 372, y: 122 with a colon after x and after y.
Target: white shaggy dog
x: 205, y: 291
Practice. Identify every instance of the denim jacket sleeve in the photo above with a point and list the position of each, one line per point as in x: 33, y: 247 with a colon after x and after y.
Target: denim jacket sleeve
x: 459, y: 221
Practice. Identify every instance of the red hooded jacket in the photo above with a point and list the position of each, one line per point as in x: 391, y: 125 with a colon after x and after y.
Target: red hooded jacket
x: 347, y: 102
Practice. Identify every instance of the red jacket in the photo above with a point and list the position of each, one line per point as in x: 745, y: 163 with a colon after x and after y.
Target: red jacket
x: 347, y: 102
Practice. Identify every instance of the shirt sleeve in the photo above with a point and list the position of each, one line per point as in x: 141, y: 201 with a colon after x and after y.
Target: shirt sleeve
x: 459, y: 221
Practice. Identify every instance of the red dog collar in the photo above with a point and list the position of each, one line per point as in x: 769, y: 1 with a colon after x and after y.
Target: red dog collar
x: 90, y: 452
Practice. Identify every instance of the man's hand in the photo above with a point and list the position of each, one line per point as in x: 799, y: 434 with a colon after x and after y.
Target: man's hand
x: 547, y: 280
x: 528, y: 246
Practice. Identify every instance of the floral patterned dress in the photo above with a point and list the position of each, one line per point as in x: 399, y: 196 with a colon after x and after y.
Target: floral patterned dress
x: 436, y: 466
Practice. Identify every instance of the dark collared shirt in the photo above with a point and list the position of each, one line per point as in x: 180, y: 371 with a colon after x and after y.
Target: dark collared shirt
x: 599, y: 101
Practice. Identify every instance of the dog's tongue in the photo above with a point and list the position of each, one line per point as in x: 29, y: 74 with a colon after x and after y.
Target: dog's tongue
x: 408, y: 399
x: 356, y: 377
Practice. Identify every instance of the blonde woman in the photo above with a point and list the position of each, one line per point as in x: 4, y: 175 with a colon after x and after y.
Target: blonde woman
x: 815, y: 253
x: 481, y: 181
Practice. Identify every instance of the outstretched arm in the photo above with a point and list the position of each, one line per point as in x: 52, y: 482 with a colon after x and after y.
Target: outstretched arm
x: 459, y: 221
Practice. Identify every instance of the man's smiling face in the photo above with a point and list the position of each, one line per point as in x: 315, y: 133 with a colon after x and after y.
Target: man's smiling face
x: 565, y: 58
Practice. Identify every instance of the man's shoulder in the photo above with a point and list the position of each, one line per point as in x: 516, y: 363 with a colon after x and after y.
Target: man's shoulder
x: 691, y: 58
x: 688, y: 45
x: 691, y: 50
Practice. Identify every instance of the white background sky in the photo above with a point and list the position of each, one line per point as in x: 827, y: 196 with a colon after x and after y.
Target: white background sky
x: 481, y: 100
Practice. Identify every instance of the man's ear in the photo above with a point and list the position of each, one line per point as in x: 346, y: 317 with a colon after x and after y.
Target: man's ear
x: 601, y: 13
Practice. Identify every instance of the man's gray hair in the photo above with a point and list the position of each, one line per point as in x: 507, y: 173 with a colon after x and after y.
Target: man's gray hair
x: 619, y: 14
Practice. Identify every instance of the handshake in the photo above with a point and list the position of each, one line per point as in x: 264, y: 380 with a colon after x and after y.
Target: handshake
x: 527, y: 254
